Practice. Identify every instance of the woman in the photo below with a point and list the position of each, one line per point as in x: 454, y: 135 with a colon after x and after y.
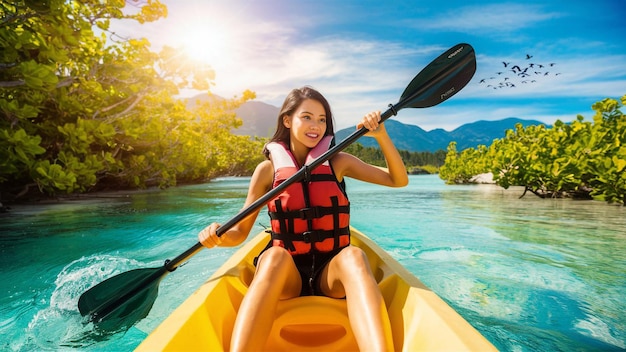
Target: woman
x: 310, y: 253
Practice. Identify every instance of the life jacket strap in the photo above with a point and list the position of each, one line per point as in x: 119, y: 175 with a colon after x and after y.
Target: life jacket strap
x: 311, y: 236
x: 322, y: 178
x: 336, y: 224
x: 286, y: 225
x: 310, y: 213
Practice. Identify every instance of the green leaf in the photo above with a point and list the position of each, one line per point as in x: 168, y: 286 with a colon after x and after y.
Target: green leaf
x: 619, y: 163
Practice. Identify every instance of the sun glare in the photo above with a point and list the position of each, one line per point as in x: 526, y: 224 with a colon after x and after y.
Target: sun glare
x: 207, y: 43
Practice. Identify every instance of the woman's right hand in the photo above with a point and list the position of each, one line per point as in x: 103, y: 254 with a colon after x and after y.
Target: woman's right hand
x: 208, y: 237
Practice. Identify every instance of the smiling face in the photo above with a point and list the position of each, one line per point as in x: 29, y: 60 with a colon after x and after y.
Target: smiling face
x: 307, y: 126
x: 301, y: 106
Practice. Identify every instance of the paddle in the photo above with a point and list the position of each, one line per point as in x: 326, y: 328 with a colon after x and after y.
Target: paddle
x: 123, y: 299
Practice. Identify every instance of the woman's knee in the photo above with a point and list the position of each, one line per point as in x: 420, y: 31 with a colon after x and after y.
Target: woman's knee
x: 274, y: 257
x: 354, y: 256
x: 349, y: 271
x: 276, y: 263
x: 352, y: 262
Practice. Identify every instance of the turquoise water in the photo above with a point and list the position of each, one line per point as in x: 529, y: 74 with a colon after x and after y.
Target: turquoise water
x: 530, y: 274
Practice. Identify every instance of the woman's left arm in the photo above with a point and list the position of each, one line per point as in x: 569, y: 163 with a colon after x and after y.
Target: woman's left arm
x: 394, y: 175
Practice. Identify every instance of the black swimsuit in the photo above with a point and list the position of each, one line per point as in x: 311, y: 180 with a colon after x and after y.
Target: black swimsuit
x: 310, y: 267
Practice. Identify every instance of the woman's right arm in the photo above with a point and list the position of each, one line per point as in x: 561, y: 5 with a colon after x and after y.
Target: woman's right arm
x: 260, y: 183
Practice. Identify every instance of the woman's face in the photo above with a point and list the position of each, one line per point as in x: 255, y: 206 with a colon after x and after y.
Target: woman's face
x: 307, y: 124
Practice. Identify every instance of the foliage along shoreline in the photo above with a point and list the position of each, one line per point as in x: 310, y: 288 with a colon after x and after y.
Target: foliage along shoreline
x: 582, y: 159
x: 83, y: 110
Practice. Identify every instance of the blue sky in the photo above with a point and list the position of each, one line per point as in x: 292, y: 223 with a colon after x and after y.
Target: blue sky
x: 362, y: 54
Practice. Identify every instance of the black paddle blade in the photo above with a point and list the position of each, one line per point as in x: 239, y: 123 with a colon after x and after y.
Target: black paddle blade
x: 120, y: 301
x: 441, y: 79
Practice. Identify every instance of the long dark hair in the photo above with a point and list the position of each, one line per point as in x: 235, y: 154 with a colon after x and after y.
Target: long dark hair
x: 290, y: 105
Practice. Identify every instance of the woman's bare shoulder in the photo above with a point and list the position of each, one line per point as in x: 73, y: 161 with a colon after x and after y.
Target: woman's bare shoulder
x: 266, y: 167
x: 264, y: 173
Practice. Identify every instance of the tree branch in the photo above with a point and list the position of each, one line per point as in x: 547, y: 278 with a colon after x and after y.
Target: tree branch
x: 65, y: 82
x: 136, y: 101
x: 8, y: 84
x: 111, y: 107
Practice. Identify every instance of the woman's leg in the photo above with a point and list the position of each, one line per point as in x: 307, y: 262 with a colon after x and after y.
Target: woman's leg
x: 276, y: 278
x: 348, y: 274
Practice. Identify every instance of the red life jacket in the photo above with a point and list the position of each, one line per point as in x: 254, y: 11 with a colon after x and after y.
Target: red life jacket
x: 312, y: 215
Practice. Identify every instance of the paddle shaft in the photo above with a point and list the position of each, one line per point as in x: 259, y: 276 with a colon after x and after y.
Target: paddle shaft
x: 306, y: 169
x: 437, y: 82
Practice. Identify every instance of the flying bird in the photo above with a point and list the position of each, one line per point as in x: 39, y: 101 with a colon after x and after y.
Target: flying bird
x: 520, y: 72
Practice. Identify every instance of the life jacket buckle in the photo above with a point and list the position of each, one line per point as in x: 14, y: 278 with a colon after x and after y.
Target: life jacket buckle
x: 309, y: 213
x: 311, y: 237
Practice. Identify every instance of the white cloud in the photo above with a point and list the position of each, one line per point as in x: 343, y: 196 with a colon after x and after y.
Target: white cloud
x: 348, y: 72
x: 359, y: 71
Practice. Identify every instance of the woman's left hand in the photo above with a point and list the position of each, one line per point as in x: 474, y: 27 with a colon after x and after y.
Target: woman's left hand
x: 371, y: 121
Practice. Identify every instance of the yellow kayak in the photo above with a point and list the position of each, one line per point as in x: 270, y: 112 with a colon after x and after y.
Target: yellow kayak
x: 421, y: 320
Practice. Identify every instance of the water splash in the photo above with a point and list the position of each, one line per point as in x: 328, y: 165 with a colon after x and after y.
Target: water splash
x: 59, y: 324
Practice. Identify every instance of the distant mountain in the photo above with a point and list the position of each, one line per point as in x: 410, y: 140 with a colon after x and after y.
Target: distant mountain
x: 405, y: 137
x: 415, y: 139
x: 259, y: 119
x: 483, y: 132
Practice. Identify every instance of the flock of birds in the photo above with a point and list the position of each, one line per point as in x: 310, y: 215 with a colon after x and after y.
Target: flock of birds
x: 513, y: 74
